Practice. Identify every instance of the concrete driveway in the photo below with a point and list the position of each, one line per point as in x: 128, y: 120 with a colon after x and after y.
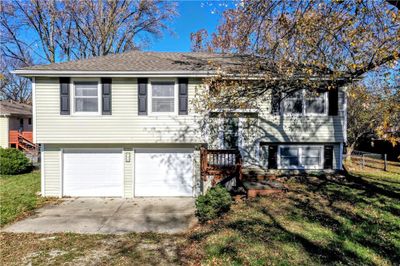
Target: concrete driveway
x: 111, y: 216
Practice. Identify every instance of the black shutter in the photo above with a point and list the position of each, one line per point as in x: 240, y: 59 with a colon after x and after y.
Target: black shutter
x: 272, y: 156
x: 275, y: 102
x: 328, y: 157
x: 64, y: 96
x: 106, y: 92
x: 333, y: 96
x: 142, y: 96
x: 183, y: 96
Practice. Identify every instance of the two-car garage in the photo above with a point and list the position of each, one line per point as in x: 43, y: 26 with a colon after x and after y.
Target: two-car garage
x: 166, y: 172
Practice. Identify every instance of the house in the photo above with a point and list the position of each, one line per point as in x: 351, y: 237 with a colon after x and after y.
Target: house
x: 124, y: 126
x: 15, y: 125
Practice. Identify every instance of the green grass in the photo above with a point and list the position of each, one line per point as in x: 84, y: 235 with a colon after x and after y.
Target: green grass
x: 355, y: 221
x: 324, y: 222
x: 19, y: 196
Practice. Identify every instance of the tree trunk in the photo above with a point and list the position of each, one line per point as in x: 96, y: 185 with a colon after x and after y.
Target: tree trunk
x: 349, y: 151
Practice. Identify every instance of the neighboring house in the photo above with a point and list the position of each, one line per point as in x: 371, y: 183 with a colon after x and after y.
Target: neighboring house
x: 124, y: 125
x: 15, y: 124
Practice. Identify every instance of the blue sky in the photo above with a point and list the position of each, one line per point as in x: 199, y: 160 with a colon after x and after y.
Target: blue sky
x: 193, y: 16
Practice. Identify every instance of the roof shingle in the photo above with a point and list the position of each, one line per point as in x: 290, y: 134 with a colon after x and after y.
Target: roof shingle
x: 147, y: 62
x: 12, y: 108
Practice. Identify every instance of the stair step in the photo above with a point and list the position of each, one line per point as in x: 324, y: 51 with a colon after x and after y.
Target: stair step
x: 263, y: 188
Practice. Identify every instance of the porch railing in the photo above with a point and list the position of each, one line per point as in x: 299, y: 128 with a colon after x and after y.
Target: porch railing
x: 220, y: 164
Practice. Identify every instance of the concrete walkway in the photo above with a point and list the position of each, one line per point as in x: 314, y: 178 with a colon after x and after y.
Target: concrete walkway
x: 111, y: 216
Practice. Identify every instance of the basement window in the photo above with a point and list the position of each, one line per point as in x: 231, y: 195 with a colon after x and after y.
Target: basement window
x: 300, y: 157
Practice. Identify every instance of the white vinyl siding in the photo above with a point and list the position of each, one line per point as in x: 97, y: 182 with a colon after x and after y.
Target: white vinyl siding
x: 123, y: 126
x: 4, y: 132
x: 51, y: 158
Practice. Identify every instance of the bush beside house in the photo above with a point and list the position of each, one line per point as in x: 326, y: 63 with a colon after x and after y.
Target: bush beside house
x: 216, y: 202
x: 13, y: 162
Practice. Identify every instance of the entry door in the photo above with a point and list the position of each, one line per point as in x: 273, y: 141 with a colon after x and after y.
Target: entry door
x: 93, y: 173
x: 163, y: 172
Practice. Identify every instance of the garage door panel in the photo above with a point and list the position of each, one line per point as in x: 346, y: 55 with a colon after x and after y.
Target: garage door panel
x: 93, y: 173
x: 163, y: 172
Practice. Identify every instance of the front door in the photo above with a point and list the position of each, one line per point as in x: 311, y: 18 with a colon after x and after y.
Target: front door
x: 230, y: 133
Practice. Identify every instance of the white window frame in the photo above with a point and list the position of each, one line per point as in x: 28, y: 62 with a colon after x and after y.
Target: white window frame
x: 150, y: 97
x: 99, y: 97
x: 301, y: 166
x: 303, y: 112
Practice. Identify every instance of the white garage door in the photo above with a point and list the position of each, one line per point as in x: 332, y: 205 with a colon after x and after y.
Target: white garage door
x: 93, y: 173
x: 163, y: 172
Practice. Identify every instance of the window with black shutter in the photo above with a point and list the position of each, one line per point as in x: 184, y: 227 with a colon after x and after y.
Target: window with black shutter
x: 142, y: 96
x: 183, y: 96
x: 64, y: 96
x: 106, y: 95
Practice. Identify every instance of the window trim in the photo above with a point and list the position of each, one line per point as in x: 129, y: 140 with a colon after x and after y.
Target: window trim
x: 301, y: 166
x: 99, y: 97
x: 150, y: 96
x: 304, y: 113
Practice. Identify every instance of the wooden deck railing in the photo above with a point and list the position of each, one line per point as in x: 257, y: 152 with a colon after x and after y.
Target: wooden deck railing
x: 22, y: 140
x: 220, y: 164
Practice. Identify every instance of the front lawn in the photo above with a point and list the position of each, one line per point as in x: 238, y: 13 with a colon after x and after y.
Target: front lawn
x: 337, y: 222
x: 354, y: 221
x: 19, y: 196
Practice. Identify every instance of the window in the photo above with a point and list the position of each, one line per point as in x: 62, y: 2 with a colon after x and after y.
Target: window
x: 86, y: 97
x: 29, y: 121
x: 289, y: 157
x: 163, y: 97
x: 304, y: 102
x: 293, y: 103
x: 310, y: 156
x: 300, y: 157
x: 315, y: 103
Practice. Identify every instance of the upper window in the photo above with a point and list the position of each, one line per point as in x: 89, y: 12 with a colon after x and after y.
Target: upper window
x: 86, y: 97
x: 163, y: 97
x: 314, y: 103
x: 304, y: 102
x: 293, y: 103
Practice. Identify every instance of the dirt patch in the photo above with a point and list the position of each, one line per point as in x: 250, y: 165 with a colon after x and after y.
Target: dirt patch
x: 79, y: 249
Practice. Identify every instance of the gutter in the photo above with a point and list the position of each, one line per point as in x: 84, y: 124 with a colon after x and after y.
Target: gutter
x: 74, y: 73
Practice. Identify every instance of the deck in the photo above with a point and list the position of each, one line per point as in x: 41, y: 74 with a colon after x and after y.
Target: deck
x: 221, y: 165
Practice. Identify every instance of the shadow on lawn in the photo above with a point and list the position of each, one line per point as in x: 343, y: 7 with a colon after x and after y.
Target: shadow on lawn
x: 361, y: 216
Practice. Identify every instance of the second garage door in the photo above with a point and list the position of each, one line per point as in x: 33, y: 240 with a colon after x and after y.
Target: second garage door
x: 163, y: 172
x: 93, y: 172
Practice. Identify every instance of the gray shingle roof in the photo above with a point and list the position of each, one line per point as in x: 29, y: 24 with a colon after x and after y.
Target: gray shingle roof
x: 11, y: 108
x: 147, y: 62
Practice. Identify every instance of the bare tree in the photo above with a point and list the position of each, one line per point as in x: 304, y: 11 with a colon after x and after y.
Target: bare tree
x: 75, y: 29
